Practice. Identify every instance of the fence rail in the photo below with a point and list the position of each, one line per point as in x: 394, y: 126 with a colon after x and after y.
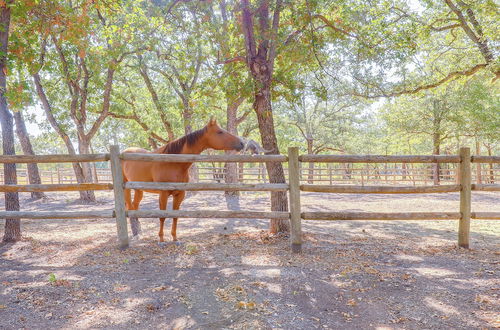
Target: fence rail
x: 379, y: 159
x: 380, y: 189
x: 206, y: 186
x: 55, y: 187
x: 462, y: 178
x: 402, y: 174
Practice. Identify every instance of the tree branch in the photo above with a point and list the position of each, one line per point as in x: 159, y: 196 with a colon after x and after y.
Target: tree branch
x: 143, y: 125
x: 444, y: 28
x: 450, y: 76
x: 331, y: 26
x: 231, y: 60
x: 156, y: 101
x: 50, y: 116
x: 480, y: 42
x: 105, y: 103
x: 274, y: 35
x: 247, y: 27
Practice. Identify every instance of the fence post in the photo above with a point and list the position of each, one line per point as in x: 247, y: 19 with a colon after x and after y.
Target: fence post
x: 329, y: 172
x: 465, y: 198
x: 294, y: 183
x: 120, y: 215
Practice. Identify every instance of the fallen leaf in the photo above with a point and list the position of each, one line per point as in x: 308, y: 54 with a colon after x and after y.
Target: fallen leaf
x: 159, y: 288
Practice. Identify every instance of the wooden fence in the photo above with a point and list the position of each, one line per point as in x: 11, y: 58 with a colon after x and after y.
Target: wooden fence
x: 330, y: 173
x: 294, y: 187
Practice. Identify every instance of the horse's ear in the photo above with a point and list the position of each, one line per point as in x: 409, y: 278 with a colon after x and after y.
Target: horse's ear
x: 212, y: 121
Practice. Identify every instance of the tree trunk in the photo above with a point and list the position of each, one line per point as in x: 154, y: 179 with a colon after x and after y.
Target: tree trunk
x: 24, y: 139
x: 260, y: 62
x: 279, y: 201
x: 310, y: 178
x: 94, y: 167
x: 187, y: 116
x: 86, y: 173
x: 85, y: 196
x: 436, y: 141
x: 232, y: 168
x: 12, y: 231
x: 492, y: 171
x: 479, y: 178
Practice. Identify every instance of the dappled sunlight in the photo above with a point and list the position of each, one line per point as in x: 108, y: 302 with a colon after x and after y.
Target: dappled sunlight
x: 182, y: 323
x: 134, y: 302
x: 409, y: 258
x: 434, y: 272
x: 100, y: 315
x: 260, y: 259
x: 440, y: 306
x: 350, y: 273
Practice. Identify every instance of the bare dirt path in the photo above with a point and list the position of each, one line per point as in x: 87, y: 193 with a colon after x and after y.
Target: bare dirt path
x: 229, y: 274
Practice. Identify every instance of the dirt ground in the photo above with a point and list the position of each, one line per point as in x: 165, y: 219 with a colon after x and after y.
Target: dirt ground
x: 230, y: 274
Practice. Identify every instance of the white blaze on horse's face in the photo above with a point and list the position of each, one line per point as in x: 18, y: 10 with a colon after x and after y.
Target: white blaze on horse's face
x: 220, y: 139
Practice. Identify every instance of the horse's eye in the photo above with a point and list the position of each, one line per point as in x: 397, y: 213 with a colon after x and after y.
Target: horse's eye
x: 220, y: 132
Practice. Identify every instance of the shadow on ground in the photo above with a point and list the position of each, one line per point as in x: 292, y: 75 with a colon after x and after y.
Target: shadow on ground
x: 232, y: 274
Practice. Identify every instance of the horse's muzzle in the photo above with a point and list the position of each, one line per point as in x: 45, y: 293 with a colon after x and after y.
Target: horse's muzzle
x: 239, y: 146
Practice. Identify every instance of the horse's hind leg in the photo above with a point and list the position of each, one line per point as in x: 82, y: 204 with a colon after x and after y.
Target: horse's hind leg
x: 137, y: 198
x: 135, y: 225
x: 163, y: 206
x: 178, y: 198
x: 128, y: 199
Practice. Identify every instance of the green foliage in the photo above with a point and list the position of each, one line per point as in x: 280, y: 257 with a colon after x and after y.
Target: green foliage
x: 332, y: 60
x: 52, y: 278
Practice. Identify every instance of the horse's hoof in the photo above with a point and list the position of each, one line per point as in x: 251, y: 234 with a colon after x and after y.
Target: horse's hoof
x: 178, y: 243
x: 162, y: 244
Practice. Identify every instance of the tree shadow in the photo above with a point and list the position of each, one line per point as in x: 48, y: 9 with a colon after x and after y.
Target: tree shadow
x: 230, y: 273
x: 346, y: 277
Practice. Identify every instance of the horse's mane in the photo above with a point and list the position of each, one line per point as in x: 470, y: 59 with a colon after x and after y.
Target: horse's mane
x: 175, y: 147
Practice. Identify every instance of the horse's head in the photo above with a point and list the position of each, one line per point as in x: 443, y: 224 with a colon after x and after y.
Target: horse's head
x: 220, y: 139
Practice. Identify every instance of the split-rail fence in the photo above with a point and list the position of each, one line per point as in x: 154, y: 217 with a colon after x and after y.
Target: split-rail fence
x: 294, y: 187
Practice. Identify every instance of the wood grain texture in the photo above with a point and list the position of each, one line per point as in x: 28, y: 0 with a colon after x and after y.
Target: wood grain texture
x: 379, y: 159
x: 54, y: 158
x: 380, y: 189
x: 187, y: 158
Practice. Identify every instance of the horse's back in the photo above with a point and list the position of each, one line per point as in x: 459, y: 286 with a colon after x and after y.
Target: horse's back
x: 136, y: 150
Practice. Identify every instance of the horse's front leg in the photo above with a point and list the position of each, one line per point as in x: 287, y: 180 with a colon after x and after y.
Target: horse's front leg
x: 163, y: 206
x: 178, y: 198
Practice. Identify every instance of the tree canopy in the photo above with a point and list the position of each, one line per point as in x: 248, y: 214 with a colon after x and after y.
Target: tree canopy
x: 345, y: 74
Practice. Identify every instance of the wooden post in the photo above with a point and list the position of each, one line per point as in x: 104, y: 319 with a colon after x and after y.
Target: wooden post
x: 294, y: 182
x: 329, y: 172
x: 362, y: 176
x: 120, y: 215
x: 263, y: 170
x: 465, y: 198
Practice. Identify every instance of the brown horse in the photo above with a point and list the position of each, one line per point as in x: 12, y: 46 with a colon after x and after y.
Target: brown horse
x: 210, y: 136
